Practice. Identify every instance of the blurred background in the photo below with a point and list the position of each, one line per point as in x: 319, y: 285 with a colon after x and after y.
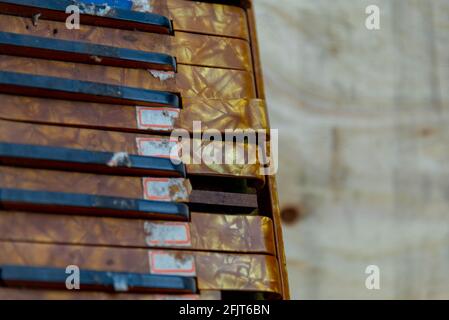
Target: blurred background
x: 364, y: 143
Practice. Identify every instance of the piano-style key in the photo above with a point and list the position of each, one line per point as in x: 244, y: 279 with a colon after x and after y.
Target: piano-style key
x: 214, y: 271
x: 55, y: 87
x: 46, y: 294
x: 90, y: 14
x: 94, y: 280
x: 204, y: 232
x: 74, y: 51
x: 144, y: 188
x: 135, y: 144
x: 187, y: 48
x: 55, y: 202
x: 220, y: 19
x: 119, y: 163
x: 245, y: 114
x: 189, y: 81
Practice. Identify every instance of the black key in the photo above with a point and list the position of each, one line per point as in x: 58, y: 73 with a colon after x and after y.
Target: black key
x: 90, y: 14
x: 48, y: 157
x: 67, y: 89
x: 42, y: 277
x: 86, y: 204
x: 82, y: 52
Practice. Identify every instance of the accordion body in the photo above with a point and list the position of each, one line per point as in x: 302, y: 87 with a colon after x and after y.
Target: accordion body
x: 99, y: 198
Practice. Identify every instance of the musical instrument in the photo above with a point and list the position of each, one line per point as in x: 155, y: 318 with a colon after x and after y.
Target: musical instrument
x: 127, y: 158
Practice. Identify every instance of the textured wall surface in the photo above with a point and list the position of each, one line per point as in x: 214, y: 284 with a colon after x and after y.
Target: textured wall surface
x: 364, y: 128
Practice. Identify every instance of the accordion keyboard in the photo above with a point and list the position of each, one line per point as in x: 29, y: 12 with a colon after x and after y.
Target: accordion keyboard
x: 134, y: 141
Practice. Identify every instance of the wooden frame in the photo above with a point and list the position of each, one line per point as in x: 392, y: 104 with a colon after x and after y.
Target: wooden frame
x: 269, y: 193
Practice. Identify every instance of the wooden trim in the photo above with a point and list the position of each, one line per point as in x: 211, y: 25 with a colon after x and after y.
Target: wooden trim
x: 269, y: 192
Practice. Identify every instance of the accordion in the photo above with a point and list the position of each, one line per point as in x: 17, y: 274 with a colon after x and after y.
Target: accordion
x: 135, y: 153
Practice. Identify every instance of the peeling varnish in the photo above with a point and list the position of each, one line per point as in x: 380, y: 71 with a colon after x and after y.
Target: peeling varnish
x: 97, y: 59
x: 120, y: 283
x: 162, y: 75
x: 92, y: 9
x: 120, y: 159
x: 35, y: 19
x: 174, y: 189
x: 161, y: 119
x: 180, y: 189
x: 142, y: 5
